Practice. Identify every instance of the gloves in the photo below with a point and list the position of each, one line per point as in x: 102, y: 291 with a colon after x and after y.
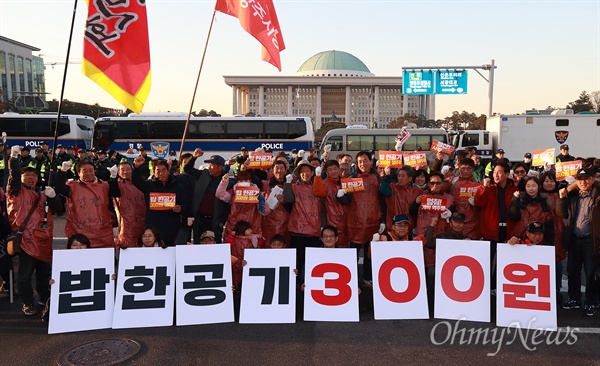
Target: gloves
x: 15, y: 151
x: 318, y: 171
x: 66, y: 166
x: 301, y: 153
x: 547, y: 167
x: 398, y: 146
x: 49, y: 191
x: 289, y: 178
x: 113, y: 171
x: 376, y: 237
x: 570, y: 179
x: 382, y: 227
x: 472, y: 201
x: 446, y: 214
x: 340, y: 193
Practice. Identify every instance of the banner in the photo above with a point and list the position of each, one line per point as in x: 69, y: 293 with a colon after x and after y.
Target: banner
x: 83, y: 291
x: 540, y: 157
x: 160, y: 201
x: 399, y: 288
x: 352, y: 185
x: 269, y: 291
x: 468, y: 190
x: 259, y: 160
x: 566, y: 169
x: 145, y: 288
x: 526, y: 296
x: 204, y: 283
x: 463, y: 289
x: 331, y: 292
x: 246, y: 194
x: 392, y: 159
x: 116, y: 50
x: 443, y: 148
x: 258, y: 18
x: 434, y: 204
x: 415, y: 159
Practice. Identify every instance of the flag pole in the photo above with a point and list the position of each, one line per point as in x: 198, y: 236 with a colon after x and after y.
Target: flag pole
x: 62, y: 93
x: 187, y: 122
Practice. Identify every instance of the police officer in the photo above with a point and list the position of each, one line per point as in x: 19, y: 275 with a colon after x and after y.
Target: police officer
x: 42, y: 165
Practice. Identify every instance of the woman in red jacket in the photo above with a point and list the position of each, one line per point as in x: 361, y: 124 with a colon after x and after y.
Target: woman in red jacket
x: 529, y: 206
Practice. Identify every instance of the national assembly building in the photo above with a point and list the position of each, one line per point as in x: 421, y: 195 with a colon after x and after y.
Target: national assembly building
x: 329, y: 86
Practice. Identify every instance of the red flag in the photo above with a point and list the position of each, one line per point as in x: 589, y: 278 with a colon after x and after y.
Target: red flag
x: 258, y: 18
x: 116, y: 50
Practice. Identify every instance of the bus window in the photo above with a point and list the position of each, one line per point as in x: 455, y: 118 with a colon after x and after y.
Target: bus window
x: 166, y: 130
x: 358, y: 143
x: 130, y: 131
x: 296, y: 129
x: 336, y: 142
x: 440, y: 138
x: 424, y: 141
x: 244, y: 130
x: 383, y: 142
x: 276, y: 130
x: 486, y: 138
x: 207, y: 130
x: 470, y: 139
x: 85, y: 124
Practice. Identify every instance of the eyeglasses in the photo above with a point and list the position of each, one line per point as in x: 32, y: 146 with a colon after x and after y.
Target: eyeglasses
x: 520, y: 171
x: 435, y: 183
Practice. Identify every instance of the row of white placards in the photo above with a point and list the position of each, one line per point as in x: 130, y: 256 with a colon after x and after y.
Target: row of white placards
x: 199, y: 277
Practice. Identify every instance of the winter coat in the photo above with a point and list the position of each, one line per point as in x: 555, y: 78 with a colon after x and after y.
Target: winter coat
x: 131, y: 213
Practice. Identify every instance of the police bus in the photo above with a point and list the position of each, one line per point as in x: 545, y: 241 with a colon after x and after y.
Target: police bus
x: 29, y: 130
x: 352, y: 139
x: 225, y: 136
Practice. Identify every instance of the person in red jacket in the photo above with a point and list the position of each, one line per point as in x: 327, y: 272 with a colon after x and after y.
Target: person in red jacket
x: 336, y: 202
x: 493, y: 200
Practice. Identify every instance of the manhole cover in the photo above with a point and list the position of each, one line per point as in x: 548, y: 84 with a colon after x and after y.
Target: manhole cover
x: 100, y: 353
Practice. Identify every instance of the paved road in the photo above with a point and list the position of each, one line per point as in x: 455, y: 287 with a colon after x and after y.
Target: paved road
x: 23, y: 341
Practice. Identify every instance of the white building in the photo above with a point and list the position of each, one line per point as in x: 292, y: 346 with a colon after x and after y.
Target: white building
x: 21, y: 75
x: 331, y: 85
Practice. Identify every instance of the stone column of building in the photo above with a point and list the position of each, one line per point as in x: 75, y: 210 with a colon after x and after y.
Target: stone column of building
x: 318, y: 109
x: 246, y: 105
x: 404, y: 104
x: 234, y: 98
x: 431, y: 107
x: 347, y: 110
x: 261, y: 100
x: 376, y: 120
x: 290, y: 101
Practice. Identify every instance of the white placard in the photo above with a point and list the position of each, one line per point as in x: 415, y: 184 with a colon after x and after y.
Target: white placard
x: 204, y: 294
x: 462, y: 280
x: 526, y: 296
x: 331, y: 278
x: 269, y: 286
x: 83, y: 291
x: 145, y: 288
x: 399, y: 289
x: 272, y: 201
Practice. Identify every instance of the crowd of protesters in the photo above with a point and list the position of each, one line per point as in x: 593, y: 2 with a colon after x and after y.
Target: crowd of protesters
x: 121, y: 202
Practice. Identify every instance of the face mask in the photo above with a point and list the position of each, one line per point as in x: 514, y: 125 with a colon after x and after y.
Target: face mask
x: 244, y: 184
x: 294, y: 156
x: 527, y: 161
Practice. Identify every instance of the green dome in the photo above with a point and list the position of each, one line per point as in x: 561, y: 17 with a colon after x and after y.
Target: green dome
x: 334, y: 63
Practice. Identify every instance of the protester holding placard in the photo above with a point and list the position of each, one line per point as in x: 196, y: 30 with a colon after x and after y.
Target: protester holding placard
x: 130, y: 208
x: 421, y: 178
x: 87, y: 203
x: 366, y: 212
x: 493, y: 200
x: 166, y: 202
x: 306, y: 195
x: 581, y: 237
x: 399, y: 196
x: 336, y: 201
x: 400, y: 230
x: 150, y: 238
x: 240, y: 239
x: 433, y: 203
x: 464, y: 187
x: 210, y: 213
x: 276, y: 212
x: 529, y: 206
x: 533, y: 235
x: 245, y: 200
x: 36, y: 241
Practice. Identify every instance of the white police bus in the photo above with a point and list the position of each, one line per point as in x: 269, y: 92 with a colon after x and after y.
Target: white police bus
x: 29, y: 130
x: 224, y: 136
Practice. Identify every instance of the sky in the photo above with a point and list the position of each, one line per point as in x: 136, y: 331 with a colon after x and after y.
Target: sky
x: 546, y: 52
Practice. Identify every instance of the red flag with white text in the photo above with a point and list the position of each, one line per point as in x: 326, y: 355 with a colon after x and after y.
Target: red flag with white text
x: 258, y: 17
x: 116, y: 50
